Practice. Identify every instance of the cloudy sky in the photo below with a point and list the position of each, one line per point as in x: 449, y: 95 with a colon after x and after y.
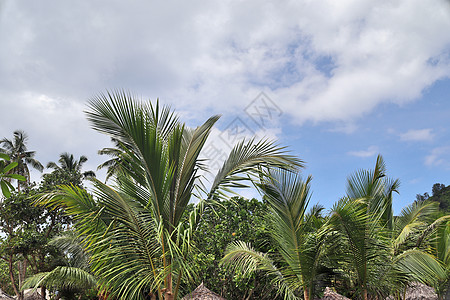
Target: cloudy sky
x: 337, y: 81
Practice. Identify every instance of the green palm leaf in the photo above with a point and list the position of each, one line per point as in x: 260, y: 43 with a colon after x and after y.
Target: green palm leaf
x: 62, y: 278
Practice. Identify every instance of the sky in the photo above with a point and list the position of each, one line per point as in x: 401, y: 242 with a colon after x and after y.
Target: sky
x: 337, y: 82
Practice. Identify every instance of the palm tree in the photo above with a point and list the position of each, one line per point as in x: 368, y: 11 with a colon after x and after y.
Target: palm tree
x: 113, y: 165
x: 419, y: 246
x: 17, y: 150
x: 377, y: 249
x: 139, y: 243
x: 67, y: 163
x: 299, y: 237
x: 426, y: 230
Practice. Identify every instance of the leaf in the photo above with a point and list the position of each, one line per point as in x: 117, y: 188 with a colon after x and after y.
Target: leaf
x: 5, y: 189
x: 10, y: 167
x: 16, y: 176
x: 4, y: 156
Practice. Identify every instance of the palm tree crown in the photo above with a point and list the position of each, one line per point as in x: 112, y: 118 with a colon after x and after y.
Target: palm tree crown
x: 376, y: 242
x: 68, y: 163
x: 17, y: 150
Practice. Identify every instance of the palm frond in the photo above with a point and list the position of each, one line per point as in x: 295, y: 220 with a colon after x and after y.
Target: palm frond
x: 412, y: 218
x: 133, y: 260
x: 62, y: 277
x: 422, y: 266
x: 241, y: 256
x: 250, y: 158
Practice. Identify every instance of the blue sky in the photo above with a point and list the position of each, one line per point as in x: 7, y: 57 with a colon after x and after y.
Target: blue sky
x: 348, y: 79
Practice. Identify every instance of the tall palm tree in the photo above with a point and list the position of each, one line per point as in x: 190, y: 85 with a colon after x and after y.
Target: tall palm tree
x: 17, y: 150
x: 68, y: 163
x: 139, y: 243
x: 299, y: 237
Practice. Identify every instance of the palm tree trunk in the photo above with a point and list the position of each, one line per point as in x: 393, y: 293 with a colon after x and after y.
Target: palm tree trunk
x: 365, y: 294
x: 168, y: 295
x: 305, y: 293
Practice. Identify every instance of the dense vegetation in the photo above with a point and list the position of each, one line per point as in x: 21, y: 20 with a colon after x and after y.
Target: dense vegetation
x: 158, y: 230
x: 440, y: 194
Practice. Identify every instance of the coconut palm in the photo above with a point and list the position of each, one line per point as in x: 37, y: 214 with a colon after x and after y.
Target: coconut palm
x: 135, y: 233
x: 17, y: 150
x: 67, y: 163
x: 298, y: 235
x: 377, y: 246
x: 113, y: 165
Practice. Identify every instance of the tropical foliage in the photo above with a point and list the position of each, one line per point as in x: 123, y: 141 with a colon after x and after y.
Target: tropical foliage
x: 25, y: 230
x: 298, y: 237
x: 380, y: 249
x: 6, y: 175
x: 231, y: 220
x: 360, y: 244
x: 160, y: 228
x: 137, y: 232
x: 72, y: 279
x: 18, y: 152
x: 68, y: 164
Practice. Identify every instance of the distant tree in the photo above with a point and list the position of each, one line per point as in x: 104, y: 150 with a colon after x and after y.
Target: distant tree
x: 17, y: 150
x: 114, y: 165
x: 69, y: 164
x: 422, y: 198
x: 440, y: 194
x: 437, y: 189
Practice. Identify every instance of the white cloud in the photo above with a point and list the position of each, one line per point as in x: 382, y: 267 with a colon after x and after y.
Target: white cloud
x: 439, y: 157
x: 322, y: 60
x: 346, y: 127
x: 371, y: 151
x: 54, y: 126
x: 418, y: 135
